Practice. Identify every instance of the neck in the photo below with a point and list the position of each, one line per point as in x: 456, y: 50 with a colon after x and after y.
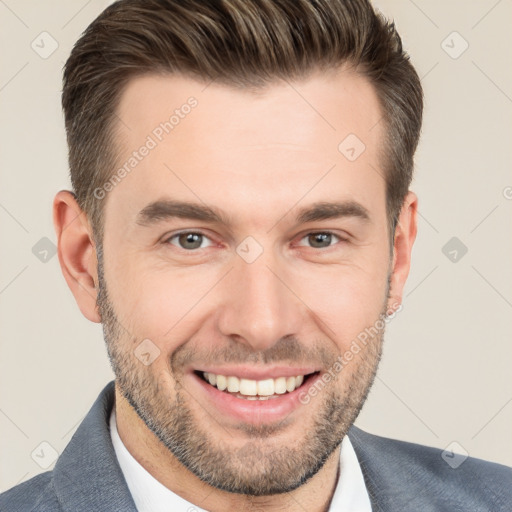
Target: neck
x: 315, y: 495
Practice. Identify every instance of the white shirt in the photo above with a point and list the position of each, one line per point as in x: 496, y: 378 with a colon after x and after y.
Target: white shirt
x: 150, y: 495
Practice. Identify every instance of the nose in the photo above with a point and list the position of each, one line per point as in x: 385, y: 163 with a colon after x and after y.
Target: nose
x: 259, y: 306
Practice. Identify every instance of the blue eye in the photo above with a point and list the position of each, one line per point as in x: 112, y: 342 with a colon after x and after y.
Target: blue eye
x: 189, y: 240
x: 192, y: 240
x: 321, y: 239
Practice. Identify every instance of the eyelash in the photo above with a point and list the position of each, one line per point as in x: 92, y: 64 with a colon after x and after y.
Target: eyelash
x: 168, y: 239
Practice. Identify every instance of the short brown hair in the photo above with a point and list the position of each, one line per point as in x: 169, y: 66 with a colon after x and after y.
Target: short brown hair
x: 241, y: 43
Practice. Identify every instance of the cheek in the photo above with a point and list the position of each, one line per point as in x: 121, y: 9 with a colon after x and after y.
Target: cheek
x: 163, y: 304
x: 347, y: 299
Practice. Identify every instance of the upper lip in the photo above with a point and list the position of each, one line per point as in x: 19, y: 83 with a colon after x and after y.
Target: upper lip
x: 254, y: 373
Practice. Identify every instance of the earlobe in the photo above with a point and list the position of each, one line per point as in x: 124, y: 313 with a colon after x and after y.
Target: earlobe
x: 405, y: 236
x: 77, y: 252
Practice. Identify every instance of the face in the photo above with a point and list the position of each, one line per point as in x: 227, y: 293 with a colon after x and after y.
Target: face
x: 244, y: 249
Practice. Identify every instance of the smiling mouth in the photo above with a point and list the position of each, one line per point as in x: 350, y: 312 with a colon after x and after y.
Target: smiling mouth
x: 247, y: 389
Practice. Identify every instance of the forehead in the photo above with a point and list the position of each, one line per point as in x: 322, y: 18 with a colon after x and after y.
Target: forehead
x: 247, y: 148
x: 325, y: 103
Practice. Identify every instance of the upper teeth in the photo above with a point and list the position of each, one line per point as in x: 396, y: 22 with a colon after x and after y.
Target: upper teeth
x: 250, y: 387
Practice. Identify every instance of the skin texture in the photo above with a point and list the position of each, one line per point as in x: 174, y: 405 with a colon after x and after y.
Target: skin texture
x: 259, y: 157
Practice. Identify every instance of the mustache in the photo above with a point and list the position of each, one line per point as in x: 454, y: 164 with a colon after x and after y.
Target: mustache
x: 286, y: 350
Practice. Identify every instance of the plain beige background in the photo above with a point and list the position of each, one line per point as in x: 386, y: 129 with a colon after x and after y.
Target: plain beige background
x: 445, y: 375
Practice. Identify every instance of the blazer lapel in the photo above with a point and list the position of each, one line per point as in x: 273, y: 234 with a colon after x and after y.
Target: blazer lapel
x: 87, y: 475
x: 395, y: 473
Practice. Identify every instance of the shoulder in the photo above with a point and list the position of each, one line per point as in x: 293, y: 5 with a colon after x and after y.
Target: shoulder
x: 36, y: 494
x: 432, y: 476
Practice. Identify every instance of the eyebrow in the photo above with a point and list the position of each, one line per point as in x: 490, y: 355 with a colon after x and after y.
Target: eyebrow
x: 326, y: 211
x: 168, y: 209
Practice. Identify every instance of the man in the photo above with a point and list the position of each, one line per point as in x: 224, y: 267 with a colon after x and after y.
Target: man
x: 241, y: 224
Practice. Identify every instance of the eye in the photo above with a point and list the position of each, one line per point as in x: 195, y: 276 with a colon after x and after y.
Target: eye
x: 321, y: 240
x: 189, y: 240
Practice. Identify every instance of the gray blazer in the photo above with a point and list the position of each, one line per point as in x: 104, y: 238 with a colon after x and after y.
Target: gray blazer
x: 399, y: 476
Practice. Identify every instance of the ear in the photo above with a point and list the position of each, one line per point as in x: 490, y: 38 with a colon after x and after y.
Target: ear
x: 405, y: 234
x: 77, y: 252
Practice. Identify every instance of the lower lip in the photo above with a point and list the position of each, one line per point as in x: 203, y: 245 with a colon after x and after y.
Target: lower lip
x: 254, y: 411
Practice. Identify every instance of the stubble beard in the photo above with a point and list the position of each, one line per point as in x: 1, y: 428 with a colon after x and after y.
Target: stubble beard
x: 257, y: 467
